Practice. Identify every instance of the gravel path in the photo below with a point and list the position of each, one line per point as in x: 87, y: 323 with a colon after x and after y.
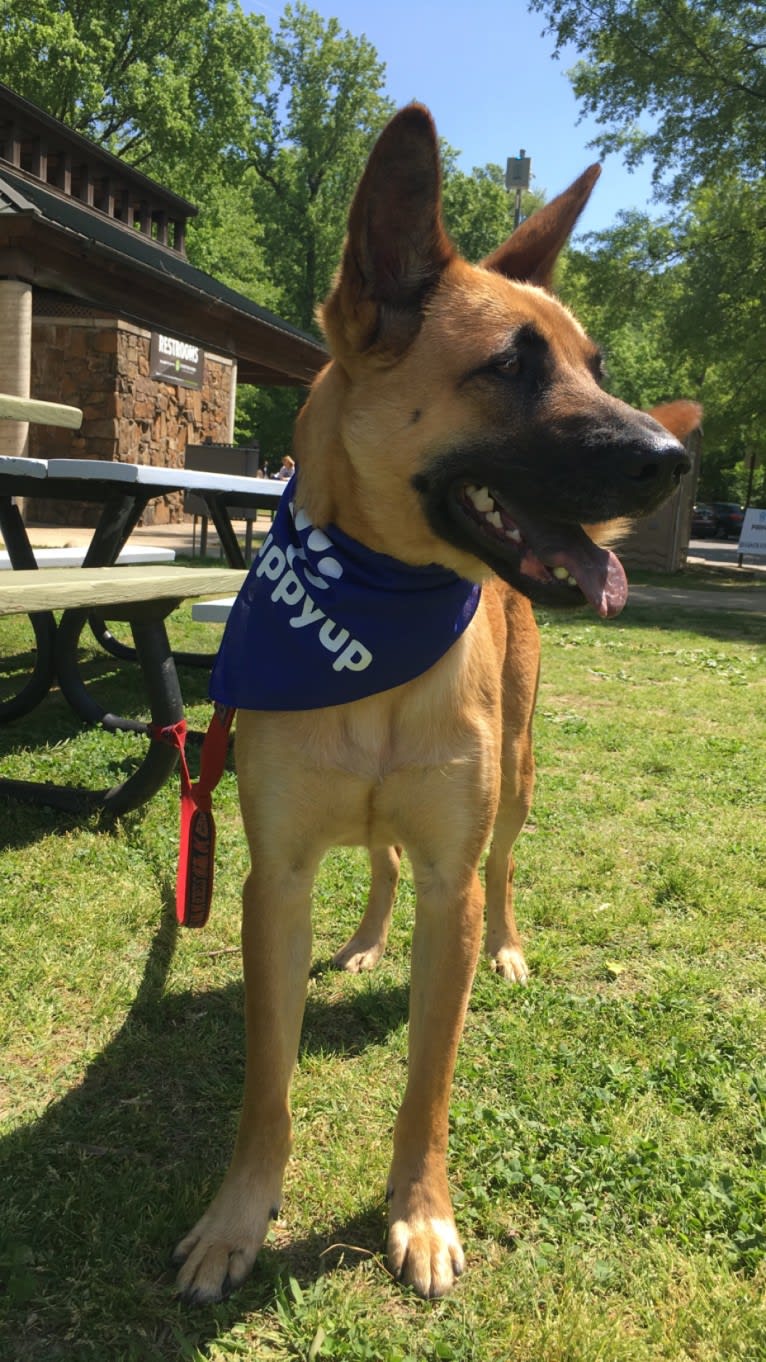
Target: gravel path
x: 751, y: 601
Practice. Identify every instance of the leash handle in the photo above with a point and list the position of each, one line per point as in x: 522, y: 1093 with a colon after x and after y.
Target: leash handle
x: 196, y: 853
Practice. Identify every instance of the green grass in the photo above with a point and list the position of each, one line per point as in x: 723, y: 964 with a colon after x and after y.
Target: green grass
x: 608, y: 1122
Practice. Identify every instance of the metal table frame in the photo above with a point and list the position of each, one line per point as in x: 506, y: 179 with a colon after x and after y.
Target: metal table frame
x: 123, y: 492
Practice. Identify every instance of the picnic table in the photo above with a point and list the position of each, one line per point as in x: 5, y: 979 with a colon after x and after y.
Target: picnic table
x: 123, y: 490
x: 142, y: 595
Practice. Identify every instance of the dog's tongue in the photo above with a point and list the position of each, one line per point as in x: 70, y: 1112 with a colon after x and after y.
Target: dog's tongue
x: 598, y: 572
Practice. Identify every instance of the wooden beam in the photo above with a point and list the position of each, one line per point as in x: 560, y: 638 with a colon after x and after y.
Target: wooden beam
x: 42, y: 413
x: 62, y: 261
x: 40, y: 159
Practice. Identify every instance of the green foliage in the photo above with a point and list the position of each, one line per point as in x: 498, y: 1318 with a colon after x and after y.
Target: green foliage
x: 623, y: 288
x: 225, y: 242
x: 678, y: 307
x: 170, y: 86
x: 322, y: 113
x: 268, y: 416
x: 684, y: 82
x: 478, y: 210
x: 720, y: 321
x: 694, y: 69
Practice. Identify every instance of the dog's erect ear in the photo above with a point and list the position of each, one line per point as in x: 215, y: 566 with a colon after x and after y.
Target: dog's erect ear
x: 680, y: 417
x: 530, y: 254
x: 396, y: 248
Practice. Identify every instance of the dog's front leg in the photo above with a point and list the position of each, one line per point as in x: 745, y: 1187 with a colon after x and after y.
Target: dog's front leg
x: 276, y: 944
x: 423, y: 1245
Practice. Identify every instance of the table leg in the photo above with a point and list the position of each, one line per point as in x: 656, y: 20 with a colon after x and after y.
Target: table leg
x: 43, y: 622
x: 116, y: 523
x: 222, y: 521
x: 165, y: 702
x: 119, y: 517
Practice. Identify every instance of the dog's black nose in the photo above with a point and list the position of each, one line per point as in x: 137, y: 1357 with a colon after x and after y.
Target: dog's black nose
x: 664, y: 463
x: 654, y: 456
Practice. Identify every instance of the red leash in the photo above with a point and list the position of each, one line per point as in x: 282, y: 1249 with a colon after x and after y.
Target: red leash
x: 196, y: 856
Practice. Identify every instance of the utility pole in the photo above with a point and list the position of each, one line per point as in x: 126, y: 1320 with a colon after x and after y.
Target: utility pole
x: 517, y: 172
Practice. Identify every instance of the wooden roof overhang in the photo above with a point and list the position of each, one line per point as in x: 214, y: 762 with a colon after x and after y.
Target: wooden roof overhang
x: 58, y: 243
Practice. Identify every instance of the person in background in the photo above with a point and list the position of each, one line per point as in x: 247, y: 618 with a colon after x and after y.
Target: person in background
x: 285, y: 472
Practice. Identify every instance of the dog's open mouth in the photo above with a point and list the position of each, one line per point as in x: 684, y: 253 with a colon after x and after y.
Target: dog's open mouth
x: 551, y: 561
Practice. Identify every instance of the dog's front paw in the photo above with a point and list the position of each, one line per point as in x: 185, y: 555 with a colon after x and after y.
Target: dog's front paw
x: 426, y: 1254
x: 509, y: 962
x: 218, y: 1254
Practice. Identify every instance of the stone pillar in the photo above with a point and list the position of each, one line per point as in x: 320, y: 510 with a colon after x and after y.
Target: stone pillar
x: 15, y: 357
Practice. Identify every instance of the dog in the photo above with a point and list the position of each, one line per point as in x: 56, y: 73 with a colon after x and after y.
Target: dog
x: 460, y: 439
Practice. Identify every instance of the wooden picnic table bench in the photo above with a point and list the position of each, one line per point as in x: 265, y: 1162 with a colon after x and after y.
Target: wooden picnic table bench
x: 143, y: 596
x: 110, y: 590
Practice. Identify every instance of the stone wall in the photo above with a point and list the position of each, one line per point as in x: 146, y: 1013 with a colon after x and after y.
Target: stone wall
x: 102, y: 366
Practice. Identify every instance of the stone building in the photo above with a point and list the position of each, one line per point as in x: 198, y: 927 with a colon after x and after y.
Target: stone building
x: 101, y: 309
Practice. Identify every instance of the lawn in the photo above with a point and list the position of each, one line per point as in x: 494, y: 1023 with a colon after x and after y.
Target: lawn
x: 609, y: 1120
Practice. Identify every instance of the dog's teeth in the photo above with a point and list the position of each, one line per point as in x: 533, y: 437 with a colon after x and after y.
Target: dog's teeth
x: 560, y: 573
x: 495, y: 519
x: 513, y: 534
x: 571, y: 581
x: 481, y: 498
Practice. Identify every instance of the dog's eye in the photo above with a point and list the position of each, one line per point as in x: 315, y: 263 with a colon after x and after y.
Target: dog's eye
x: 598, y: 367
x: 509, y: 367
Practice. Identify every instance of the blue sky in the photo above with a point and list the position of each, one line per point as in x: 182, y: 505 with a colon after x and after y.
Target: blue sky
x: 488, y: 77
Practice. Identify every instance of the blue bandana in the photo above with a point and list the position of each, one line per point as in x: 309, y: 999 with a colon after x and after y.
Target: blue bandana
x: 321, y: 620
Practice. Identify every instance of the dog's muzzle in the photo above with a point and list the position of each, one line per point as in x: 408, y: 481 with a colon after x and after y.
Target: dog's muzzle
x: 522, y: 510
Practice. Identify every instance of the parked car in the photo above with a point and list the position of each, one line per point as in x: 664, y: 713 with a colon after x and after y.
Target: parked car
x: 704, y: 523
x: 728, y: 519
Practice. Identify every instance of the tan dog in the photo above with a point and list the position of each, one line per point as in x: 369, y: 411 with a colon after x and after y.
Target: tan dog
x: 460, y: 423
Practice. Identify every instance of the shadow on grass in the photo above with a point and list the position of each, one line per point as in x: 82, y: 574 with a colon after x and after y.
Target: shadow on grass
x: 117, y: 685
x: 97, y: 1190
x: 119, y: 688
x: 724, y: 624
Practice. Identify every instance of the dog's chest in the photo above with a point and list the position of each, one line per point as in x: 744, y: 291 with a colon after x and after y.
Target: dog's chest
x: 369, y: 772
x: 376, y: 740
x: 380, y: 773
x: 432, y: 721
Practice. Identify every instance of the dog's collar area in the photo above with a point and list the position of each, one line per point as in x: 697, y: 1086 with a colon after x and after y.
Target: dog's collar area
x: 322, y: 620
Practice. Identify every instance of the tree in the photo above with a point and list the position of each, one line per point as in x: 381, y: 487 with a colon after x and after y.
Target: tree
x: 623, y: 284
x: 696, y: 68
x: 667, y: 303
x: 721, y: 322
x: 312, y: 132
x: 311, y: 142
x: 478, y: 210
x: 695, y: 72
x: 170, y: 85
